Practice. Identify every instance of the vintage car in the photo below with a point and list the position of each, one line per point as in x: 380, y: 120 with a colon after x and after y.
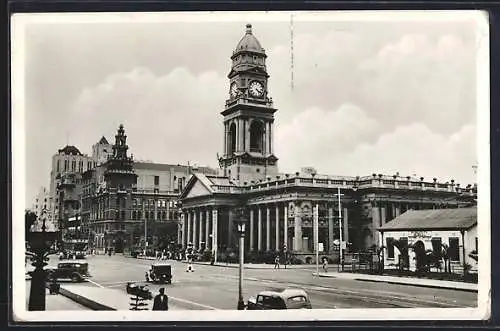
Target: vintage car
x: 75, y: 270
x: 139, y: 290
x: 160, y: 272
x: 280, y: 299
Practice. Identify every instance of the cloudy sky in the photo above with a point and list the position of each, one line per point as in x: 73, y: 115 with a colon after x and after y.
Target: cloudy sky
x: 368, y: 96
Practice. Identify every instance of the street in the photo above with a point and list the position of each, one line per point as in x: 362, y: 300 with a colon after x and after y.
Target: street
x: 216, y: 287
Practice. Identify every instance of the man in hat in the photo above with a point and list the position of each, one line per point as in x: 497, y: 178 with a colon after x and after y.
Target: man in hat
x: 161, y: 301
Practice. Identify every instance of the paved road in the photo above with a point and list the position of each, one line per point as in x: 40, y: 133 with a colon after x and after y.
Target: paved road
x: 212, y: 287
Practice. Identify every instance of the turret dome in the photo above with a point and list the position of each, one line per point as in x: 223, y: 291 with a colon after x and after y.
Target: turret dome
x: 249, y: 43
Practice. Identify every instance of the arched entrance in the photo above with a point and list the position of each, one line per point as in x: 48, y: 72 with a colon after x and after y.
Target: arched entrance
x: 420, y: 255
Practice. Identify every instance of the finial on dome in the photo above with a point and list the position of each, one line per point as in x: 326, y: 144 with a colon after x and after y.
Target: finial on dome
x: 249, y: 28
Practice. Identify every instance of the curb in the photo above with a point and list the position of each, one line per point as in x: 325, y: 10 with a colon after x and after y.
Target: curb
x: 403, y: 283
x: 84, y: 301
x: 418, y: 285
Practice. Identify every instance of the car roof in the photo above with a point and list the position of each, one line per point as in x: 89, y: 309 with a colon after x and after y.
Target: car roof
x: 73, y: 261
x: 161, y: 264
x: 284, y: 293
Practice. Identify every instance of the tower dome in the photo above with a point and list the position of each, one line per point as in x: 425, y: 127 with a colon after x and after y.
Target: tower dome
x: 249, y: 43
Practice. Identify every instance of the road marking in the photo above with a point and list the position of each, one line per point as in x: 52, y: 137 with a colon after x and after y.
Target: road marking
x: 193, y: 303
x: 97, y: 284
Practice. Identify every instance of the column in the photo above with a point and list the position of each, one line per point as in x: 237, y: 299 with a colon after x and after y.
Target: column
x: 252, y: 246
x: 237, y: 135
x: 207, y: 230
x: 183, y: 221
x: 277, y: 235
x: 200, y: 223
x: 189, y: 236
x: 247, y: 135
x: 375, y: 222
x: 230, y: 228
x: 268, y: 228
x: 259, y: 229
x: 270, y: 138
x: 215, y: 241
x: 285, y: 225
x: 345, y: 225
x: 179, y: 234
x: 195, y: 237
x: 383, y: 215
x: 398, y: 211
x: 226, y: 148
x: 266, y: 140
x: 242, y: 134
x: 297, y: 242
x: 330, y: 230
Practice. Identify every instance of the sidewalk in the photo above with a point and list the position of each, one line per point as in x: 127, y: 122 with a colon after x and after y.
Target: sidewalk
x: 55, y: 302
x: 411, y: 281
x: 101, y: 298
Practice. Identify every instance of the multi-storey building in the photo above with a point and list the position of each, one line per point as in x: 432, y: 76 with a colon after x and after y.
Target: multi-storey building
x: 282, y: 207
x: 127, y: 203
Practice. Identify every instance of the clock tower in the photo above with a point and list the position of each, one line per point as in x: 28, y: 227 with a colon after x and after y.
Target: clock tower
x: 248, y: 116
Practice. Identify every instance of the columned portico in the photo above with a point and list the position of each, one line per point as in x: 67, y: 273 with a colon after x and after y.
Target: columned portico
x: 200, y: 223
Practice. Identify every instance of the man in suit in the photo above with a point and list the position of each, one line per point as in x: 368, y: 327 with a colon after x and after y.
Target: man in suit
x: 161, y: 301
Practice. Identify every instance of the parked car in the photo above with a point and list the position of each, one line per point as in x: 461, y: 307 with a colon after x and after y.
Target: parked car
x: 77, y: 271
x: 160, y: 272
x: 280, y: 299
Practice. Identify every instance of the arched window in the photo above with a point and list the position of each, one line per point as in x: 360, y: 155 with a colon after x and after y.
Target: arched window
x: 256, y: 137
x: 232, y: 139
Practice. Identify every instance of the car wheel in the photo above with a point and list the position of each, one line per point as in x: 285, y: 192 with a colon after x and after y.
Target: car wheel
x: 75, y: 278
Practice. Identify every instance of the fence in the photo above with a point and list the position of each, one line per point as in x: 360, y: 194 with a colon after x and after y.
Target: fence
x: 362, y: 262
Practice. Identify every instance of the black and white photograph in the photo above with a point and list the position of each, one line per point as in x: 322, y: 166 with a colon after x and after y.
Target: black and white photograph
x: 250, y: 166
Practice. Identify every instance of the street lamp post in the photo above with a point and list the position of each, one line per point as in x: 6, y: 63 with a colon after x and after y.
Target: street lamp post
x: 40, y: 242
x: 241, y: 223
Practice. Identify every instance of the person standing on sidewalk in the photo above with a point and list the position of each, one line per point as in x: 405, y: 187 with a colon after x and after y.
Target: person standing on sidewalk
x: 277, y: 262
x: 325, y: 264
x: 161, y: 301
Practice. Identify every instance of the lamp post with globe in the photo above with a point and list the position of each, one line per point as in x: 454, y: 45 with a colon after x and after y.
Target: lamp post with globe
x: 39, y: 247
x: 241, y: 221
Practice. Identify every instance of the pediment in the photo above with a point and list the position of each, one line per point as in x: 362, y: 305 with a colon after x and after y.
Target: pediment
x: 198, y: 189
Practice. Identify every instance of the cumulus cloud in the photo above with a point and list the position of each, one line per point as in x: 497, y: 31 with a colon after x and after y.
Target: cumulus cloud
x: 418, y: 78
x: 171, y: 118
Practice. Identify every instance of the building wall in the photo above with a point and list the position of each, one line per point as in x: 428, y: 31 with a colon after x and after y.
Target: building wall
x: 100, y: 152
x: 426, y: 238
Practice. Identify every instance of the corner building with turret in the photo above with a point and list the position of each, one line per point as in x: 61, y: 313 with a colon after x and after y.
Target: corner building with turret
x: 281, y: 207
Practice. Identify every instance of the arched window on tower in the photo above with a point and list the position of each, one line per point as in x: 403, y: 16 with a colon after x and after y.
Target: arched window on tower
x: 256, y: 136
x: 232, y: 139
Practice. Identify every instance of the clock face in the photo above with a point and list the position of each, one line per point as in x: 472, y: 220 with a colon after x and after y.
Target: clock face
x: 256, y: 89
x: 233, y: 90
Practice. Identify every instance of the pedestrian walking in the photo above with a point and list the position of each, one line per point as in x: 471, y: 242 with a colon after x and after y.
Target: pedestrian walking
x: 325, y: 264
x: 277, y: 262
x: 161, y: 301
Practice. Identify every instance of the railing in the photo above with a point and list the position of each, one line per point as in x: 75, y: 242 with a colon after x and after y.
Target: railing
x: 349, y: 183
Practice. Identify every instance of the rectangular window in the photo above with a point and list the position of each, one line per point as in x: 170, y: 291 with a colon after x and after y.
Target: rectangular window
x: 66, y: 162
x: 454, y: 250
x: 390, y: 248
x: 57, y: 166
x: 180, y: 185
x: 157, y: 180
x: 476, y: 246
x: 73, y: 166
x: 436, y: 246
